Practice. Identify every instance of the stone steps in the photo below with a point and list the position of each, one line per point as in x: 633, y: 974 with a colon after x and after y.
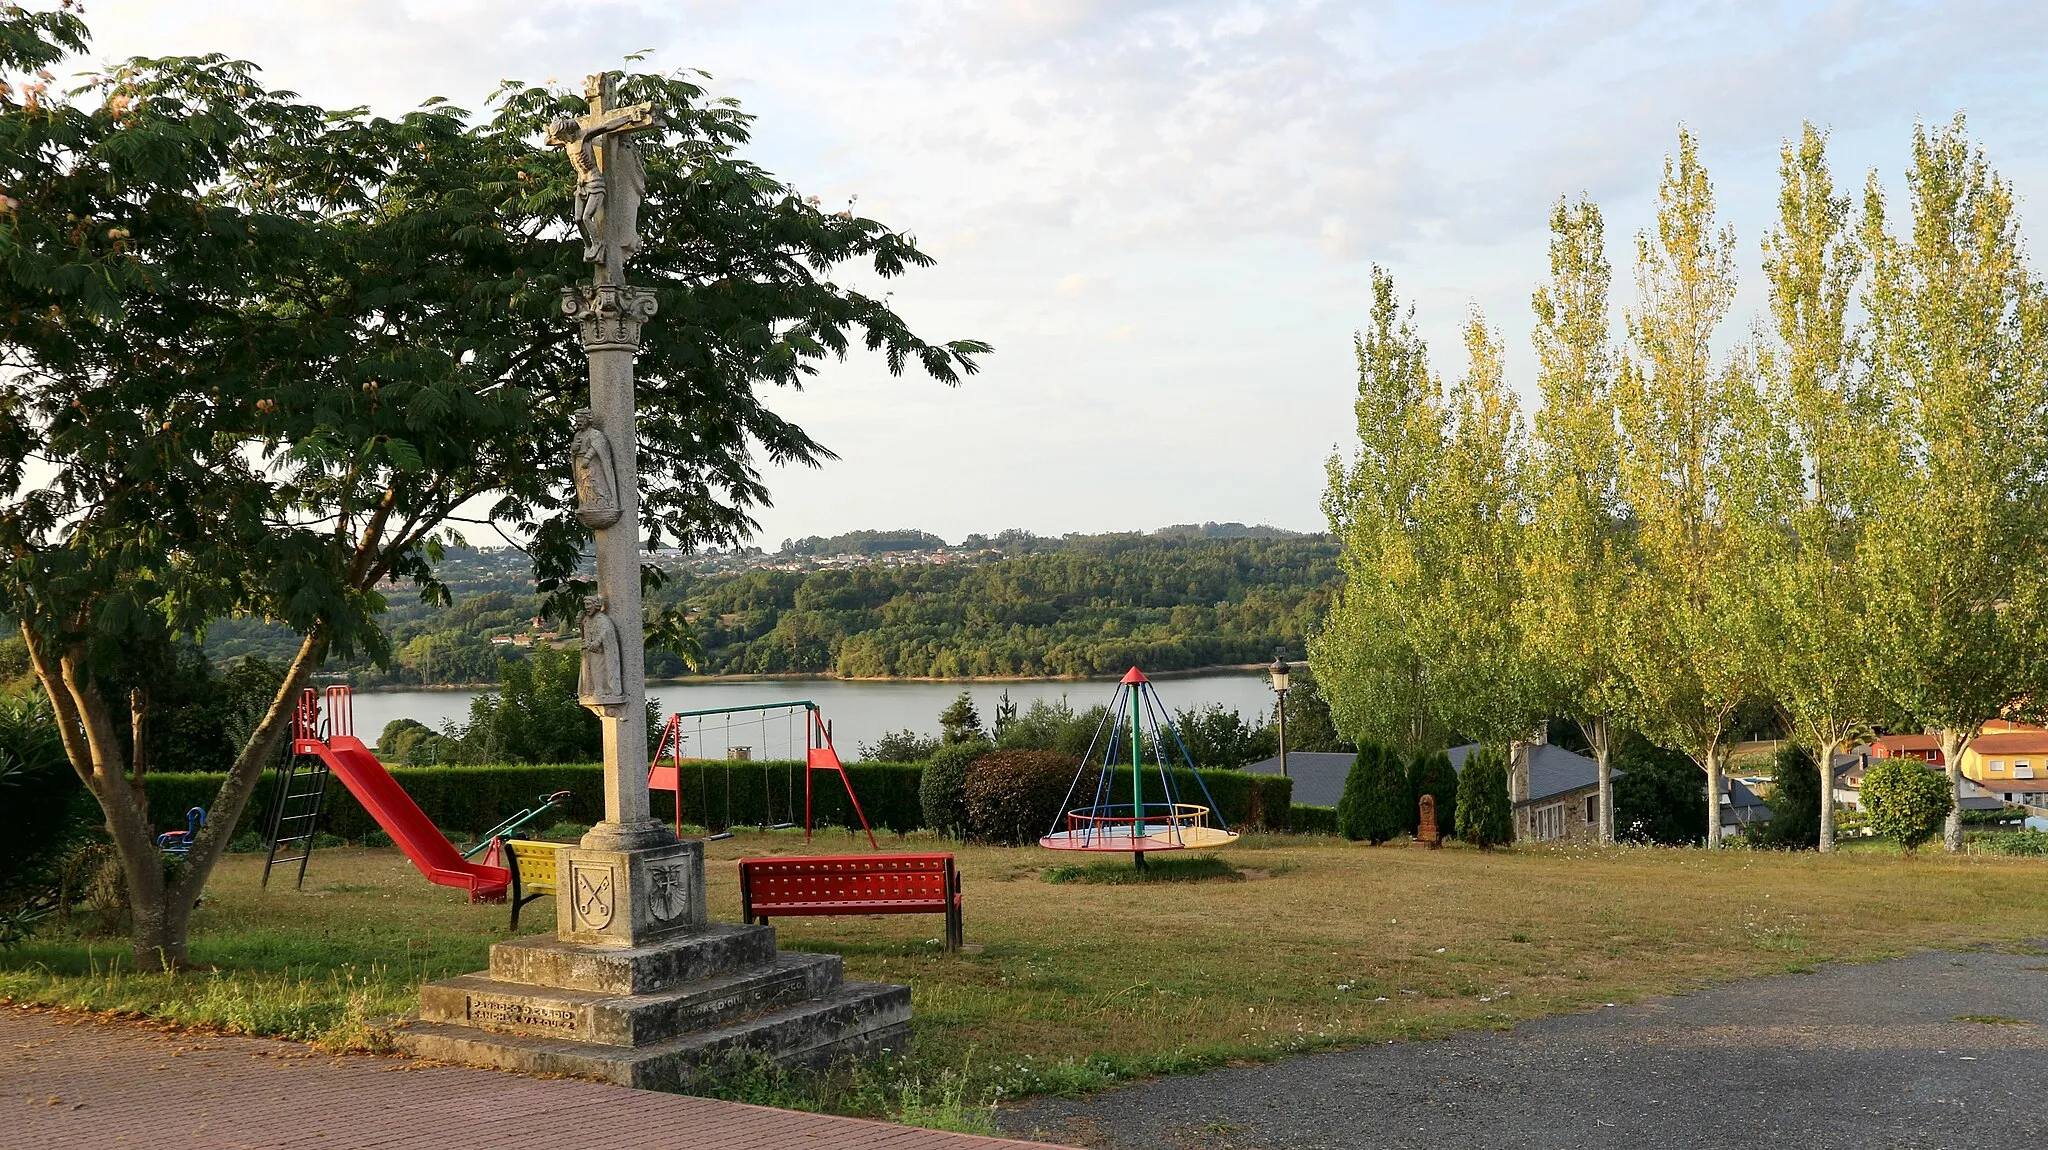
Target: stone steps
x: 854, y: 1019
x: 487, y: 1003
x: 708, y: 951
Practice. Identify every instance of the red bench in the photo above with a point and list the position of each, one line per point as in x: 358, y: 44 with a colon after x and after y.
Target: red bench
x: 852, y: 884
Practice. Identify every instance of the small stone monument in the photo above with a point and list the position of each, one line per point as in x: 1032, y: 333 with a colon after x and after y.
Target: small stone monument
x: 637, y: 985
x: 1426, y: 835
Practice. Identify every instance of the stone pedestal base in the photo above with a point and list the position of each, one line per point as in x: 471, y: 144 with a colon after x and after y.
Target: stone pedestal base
x: 639, y: 989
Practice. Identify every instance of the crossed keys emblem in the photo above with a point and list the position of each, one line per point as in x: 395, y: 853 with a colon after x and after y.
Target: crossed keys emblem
x: 594, y: 899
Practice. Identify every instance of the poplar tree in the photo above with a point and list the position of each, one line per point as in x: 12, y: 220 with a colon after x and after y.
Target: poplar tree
x: 1686, y: 640
x: 1369, y: 656
x: 1814, y: 587
x: 1957, y: 331
x: 1577, y: 556
x: 1471, y: 520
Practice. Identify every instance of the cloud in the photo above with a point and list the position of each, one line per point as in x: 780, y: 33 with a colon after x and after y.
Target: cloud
x: 1167, y: 209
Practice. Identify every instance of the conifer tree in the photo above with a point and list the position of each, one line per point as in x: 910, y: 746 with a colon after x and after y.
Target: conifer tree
x: 1485, y: 815
x: 1375, y: 796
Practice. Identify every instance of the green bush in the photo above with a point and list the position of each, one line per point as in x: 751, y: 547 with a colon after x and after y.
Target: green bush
x: 1017, y: 796
x: 1242, y: 799
x: 941, y: 790
x: 1374, y: 804
x: 1431, y: 773
x: 1307, y: 820
x: 1659, y: 794
x: 1795, y: 802
x: 1485, y: 813
x: 1905, y: 801
x: 2025, y: 843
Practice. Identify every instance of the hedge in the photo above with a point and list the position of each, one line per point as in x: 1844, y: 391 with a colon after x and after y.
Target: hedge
x: 469, y: 800
x: 1314, y: 820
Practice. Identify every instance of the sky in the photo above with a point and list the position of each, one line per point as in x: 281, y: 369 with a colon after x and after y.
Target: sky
x: 1164, y: 215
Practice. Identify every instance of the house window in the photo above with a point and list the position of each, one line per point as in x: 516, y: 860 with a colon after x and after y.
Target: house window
x: 1593, y: 810
x: 2021, y: 770
x: 1998, y: 766
x: 1548, y: 822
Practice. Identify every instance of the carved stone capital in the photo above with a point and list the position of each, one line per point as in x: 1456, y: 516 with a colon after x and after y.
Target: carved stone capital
x: 609, y: 315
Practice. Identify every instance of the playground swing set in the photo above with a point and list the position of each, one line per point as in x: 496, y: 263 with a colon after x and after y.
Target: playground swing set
x: 666, y: 771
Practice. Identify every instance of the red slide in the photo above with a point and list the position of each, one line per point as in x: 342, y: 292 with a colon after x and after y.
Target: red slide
x: 394, y: 810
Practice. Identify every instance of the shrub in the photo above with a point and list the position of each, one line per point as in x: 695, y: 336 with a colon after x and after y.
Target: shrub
x: 941, y: 790
x: 1016, y: 796
x: 1431, y: 773
x: 2025, y: 843
x: 1374, y: 804
x: 1308, y: 820
x: 1795, y: 802
x: 1486, y: 816
x: 1905, y: 800
x: 1659, y: 794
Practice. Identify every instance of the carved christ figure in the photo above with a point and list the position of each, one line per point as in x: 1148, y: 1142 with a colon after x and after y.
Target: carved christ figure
x: 590, y: 461
x: 609, y: 177
x: 601, y: 683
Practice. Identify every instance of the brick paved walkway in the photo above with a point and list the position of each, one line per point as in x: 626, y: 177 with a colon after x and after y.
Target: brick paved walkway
x: 67, y: 1080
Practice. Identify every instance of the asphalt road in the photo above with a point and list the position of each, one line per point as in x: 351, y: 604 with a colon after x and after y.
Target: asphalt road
x: 1940, y: 1049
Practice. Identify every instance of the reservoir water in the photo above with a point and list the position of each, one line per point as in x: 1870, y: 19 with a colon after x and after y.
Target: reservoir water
x: 860, y: 711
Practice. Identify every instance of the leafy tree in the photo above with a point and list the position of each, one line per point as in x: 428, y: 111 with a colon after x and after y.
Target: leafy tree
x: 1431, y: 773
x: 1906, y: 801
x: 1375, y: 796
x: 267, y: 353
x: 1813, y: 584
x: 1656, y: 795
x: 1578, y: 558
x: 1959, y: 541
x: 1485, y: 815
x: 1369, y: 656
x: 1796, y: 803
x: 905, y: 746
x: 534, y: 716
x: 1054, y: 725
x: 960, y: 722
x: 1688, y: 639
x: 1217, y: 736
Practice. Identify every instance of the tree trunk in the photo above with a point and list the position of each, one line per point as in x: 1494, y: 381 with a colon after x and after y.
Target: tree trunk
x: 1713, y: 766
x: 159, y: 904
x: 1827, y: 795
x: 1953, y: 740
x: 1599, y: 737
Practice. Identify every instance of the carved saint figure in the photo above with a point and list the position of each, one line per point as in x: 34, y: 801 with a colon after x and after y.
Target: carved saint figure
x: 601, y: 683
x: 590, y: 461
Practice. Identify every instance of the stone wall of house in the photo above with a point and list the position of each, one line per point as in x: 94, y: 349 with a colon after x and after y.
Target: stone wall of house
x: 1576, y: 824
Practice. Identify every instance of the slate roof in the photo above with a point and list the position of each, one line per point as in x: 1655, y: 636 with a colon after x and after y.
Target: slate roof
x: 1318, y: 775
x: 1553, y: 771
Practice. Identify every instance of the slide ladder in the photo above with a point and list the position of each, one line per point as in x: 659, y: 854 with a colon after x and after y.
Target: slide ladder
x: 324, y: 727
x: 295, y: 811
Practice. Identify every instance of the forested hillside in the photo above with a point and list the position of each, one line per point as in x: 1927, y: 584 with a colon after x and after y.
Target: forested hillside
x: 1094, y: 606
x: 1031, y: 606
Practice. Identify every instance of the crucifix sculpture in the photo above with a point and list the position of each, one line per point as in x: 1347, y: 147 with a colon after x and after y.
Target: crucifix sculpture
x: 609, y: 185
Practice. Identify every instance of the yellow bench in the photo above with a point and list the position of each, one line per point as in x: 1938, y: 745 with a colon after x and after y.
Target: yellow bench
x: 533, y: 870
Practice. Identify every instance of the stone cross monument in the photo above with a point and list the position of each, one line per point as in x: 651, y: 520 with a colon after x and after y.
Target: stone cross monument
x: 637, y: 986
x: 629, y: 879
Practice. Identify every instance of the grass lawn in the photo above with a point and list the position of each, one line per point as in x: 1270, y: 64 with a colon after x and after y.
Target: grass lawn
x: 1071, y: 985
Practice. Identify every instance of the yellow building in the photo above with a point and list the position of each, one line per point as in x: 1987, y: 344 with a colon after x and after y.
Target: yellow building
x: 2010, y: 760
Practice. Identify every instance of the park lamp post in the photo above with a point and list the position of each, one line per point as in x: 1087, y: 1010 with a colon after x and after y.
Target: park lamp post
x: 1279, y: 671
